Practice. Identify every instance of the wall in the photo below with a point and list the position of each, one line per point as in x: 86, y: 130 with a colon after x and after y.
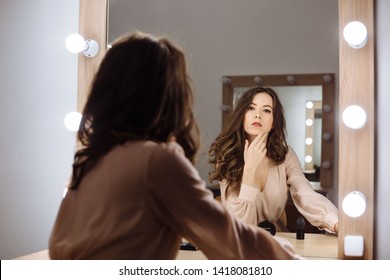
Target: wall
x: 382, y: 222
x: 230, y: 37
x: 38, y: 87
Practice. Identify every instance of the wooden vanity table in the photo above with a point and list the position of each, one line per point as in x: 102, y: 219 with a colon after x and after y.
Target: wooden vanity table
x: 314, y: 246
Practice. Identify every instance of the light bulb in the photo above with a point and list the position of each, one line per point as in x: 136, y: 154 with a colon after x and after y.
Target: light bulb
x: 291, y: 79
x: 258, y: 80
x: 72, y: 121
x: 326, y: 164
x: 354, y: 117
x: 309, y: 141
x: 327, y: 108
x: 75, y: 43
x: 309, y: 122
x: 309, y: 104
x: 355, y: 33
x: 65, y: 191
x: 308, y: 159
x: 326, y: 136
x: 226, y: 81
x: 354, y: 204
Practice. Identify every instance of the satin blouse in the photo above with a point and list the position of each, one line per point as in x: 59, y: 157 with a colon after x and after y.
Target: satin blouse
x: 253, y: 206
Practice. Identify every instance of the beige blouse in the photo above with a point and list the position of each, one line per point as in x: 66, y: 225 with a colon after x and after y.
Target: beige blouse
x: 253, y: 206
x: 137, y: 203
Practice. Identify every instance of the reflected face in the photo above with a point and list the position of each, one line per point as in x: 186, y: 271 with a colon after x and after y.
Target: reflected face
x: 259, y: 117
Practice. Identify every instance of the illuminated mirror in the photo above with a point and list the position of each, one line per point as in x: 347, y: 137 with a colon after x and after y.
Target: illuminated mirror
x: 313, y: 137
x: 310, y: 131
x: 229, y: 37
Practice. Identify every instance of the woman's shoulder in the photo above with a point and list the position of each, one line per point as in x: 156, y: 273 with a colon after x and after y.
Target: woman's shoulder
x: 154, y: 146
x: 292, y: 160
x: 170, y: 148
x: 145, y: 150
x: 163, y: 153
x: 291, y: 156
x: 168, y: 162
x: 157, y: 156
x: 290, y: 152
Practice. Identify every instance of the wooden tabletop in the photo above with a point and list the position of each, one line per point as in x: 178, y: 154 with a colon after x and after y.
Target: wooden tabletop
x: 314, y: 246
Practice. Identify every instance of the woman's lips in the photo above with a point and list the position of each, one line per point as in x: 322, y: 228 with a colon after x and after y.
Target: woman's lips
x: 256, y: 124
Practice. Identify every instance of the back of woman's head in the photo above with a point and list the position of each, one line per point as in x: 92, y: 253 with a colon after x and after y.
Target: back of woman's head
x: 141, y: 91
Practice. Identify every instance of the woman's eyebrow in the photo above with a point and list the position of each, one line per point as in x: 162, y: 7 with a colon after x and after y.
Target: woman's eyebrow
x: 262, y: 106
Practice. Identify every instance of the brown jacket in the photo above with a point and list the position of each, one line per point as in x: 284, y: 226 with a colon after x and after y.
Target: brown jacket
x: 139, y: 200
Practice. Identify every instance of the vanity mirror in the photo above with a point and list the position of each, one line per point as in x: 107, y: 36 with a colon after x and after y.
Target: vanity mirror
x: 280, y: 52
x: 309, y: 103
x: 239, y: 38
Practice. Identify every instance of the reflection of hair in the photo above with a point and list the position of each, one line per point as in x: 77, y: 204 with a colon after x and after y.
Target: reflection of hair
x: 227, y: 152
x: 141, y: 91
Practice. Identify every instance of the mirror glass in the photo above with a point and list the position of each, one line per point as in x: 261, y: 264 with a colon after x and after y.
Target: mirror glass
x: 230, y: 37
x: 313, y: 139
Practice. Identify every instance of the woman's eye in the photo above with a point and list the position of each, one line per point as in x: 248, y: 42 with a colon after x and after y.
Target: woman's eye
x: 251, y: 108
x: 267, y: 111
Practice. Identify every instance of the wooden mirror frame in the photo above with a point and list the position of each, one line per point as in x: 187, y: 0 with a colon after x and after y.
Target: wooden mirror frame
x: 357, y: 146
x: 327, y: 83
x: 93, y: 25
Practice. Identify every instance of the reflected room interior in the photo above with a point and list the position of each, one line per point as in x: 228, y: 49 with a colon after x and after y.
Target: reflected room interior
x: 215, y: 54
x: 309, y: 105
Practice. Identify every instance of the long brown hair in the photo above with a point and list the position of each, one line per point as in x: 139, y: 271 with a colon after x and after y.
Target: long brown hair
x: 141, y: 91
x: 226, y: 154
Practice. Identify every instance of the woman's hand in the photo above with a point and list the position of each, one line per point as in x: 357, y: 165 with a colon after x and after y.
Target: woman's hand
x: 254, y: 154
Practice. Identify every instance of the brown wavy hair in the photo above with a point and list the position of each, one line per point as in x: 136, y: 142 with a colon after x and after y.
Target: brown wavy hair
x: 141, y: 91
x: 226, y: 154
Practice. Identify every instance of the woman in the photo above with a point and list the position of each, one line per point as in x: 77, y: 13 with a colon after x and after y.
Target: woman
x: 256, y: 168
x: 134, y: 191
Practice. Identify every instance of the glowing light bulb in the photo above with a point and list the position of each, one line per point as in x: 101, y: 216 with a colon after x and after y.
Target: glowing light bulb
x: 75, y: 43
x: 309, y: 141
x: 354, y: 204
x: 354, y: 117
x: 355, y: 33
x: 309, y: 122
x: 72, y: 121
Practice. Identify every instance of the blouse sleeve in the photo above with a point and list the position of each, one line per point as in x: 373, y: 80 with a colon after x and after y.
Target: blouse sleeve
x: 316, y: 208
x: 180, y: 200
x: 241, y: 202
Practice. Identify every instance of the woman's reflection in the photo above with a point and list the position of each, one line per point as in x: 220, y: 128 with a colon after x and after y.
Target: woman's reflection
x: 257, y: 169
